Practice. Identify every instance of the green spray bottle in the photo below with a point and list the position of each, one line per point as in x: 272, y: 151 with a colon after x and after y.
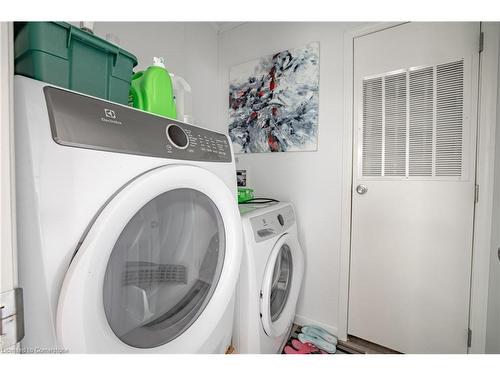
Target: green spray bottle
x: 152, y: 91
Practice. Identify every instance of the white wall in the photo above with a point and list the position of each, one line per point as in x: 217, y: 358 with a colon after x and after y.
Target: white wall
x: 189, y: 49
x: 493, y: 323
x: 311, y: 180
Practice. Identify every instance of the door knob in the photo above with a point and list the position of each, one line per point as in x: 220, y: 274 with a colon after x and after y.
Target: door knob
x: 361, y: 189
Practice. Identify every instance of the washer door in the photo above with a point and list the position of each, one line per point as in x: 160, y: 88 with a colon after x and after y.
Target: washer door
x: 281, y: 285
x: 157, y: 269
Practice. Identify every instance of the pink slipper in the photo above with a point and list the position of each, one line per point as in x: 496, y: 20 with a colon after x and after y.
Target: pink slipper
x: 304, y: 346
x: 290, y: 350
x: 301, y: 348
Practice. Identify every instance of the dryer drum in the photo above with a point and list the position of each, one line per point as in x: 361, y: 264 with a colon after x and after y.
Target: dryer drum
x: 282, y: 281
x: 160, y: 277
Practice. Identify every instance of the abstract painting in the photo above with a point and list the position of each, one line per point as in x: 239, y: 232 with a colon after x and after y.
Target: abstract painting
x: 274, y: 102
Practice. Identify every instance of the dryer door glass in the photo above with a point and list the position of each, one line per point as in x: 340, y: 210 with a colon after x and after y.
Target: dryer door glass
x: 164, y: 268
x: 281, y: 282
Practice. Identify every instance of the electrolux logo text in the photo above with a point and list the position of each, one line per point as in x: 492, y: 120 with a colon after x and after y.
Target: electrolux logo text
x: 109, y: 113
x: 110, y: 117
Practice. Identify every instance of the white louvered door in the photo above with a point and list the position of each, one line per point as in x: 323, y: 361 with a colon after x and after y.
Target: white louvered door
x: 415, y: 121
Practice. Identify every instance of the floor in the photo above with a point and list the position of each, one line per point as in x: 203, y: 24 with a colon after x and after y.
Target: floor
x: 356, y: 345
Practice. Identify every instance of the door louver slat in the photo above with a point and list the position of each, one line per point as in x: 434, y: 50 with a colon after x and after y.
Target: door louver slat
x: 395, y: 125
x: 421, y: 122
x: 372, y: 127
x: 449, y: 118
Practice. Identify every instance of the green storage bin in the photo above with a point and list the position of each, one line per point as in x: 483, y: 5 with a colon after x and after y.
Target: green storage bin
x: 65, y: 56
x: 244, y: 195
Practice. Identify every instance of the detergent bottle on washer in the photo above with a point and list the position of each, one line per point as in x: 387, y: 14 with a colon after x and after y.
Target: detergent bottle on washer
x: 151, y: 90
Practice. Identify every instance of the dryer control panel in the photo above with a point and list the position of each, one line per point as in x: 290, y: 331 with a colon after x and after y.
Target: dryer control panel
x: 272, y: 224
x: 82, y: 121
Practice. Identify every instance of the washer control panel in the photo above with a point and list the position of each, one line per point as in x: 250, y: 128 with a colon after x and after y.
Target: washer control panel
x: 81, y: 121
x: 272, y: 224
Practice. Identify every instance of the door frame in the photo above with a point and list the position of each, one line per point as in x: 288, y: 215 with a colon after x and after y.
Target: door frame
x: 8, y: 243
x: 485, y: 156
x: 8, y: 262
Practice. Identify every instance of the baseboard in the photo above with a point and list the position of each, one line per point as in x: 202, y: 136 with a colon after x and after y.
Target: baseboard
x: 303, y: 321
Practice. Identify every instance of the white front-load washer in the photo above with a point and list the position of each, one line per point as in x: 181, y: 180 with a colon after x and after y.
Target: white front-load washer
x: 129, y: 234
x: 271, y: 274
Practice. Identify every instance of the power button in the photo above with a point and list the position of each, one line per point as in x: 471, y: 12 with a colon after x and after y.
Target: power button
x: 281, y: 220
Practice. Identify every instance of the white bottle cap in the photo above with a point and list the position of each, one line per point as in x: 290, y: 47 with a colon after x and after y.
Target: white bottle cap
x: 159, y: 61
x: 87, y: 26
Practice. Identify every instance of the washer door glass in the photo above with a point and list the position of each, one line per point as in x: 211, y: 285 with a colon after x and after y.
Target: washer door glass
x: 281, y: 282
x: 164, y: 268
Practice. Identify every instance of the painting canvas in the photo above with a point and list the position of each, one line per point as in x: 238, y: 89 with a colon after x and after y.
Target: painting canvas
x: 274, y: 102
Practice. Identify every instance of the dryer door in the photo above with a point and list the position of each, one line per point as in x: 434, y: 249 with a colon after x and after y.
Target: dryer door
x: 157, y: 269
x: 281, y: 285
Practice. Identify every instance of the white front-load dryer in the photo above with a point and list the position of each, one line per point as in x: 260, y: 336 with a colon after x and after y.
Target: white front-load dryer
x: 129, y: 234
x: 270, y: 279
